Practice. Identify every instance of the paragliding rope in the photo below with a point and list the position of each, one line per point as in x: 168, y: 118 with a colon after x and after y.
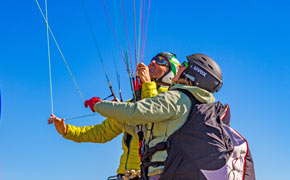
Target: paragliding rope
x: 52, y: 35
x: 146, y: 31
x: 118, y: 78
x: 135, y: 38
x: 78, y: 117
x: 49, y: 31
x: 140, y: 20
x: 134, y: 81
x: 127, y: 34
x: 77, y: 87
x: 107, y: 14
x: 116, y: 38
x: 99, y: 53
x: 48, y: 54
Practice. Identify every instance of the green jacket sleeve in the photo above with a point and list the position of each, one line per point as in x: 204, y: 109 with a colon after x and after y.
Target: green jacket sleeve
x: 100, y: 133
x: 154, y: 109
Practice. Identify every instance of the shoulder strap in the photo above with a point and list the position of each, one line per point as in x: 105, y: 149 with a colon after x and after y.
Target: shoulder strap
x: 192, y: 98
x: 224, y: 114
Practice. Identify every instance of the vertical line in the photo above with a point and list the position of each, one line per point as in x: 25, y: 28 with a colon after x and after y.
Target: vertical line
x: 135, y: 34
x: 140, y: 27
x: 146, y: 29
x: 143, y: 26
x: 114, y: 33
x: 62, y: 56
x: 97, y: 46
x: 127, y: 35
x: 48, y: 52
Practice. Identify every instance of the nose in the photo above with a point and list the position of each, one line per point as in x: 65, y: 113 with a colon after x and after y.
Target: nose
x: 152, y: 63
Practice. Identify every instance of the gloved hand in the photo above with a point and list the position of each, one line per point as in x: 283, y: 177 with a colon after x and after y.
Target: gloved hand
x: 92, y: 102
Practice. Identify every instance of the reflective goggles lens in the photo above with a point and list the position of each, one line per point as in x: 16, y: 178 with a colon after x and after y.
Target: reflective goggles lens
x: 160, y: 61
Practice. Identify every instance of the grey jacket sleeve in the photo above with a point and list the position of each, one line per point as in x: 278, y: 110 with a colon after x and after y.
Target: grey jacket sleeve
x: 158, y: 108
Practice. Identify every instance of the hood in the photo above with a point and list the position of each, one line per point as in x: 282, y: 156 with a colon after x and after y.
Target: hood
x: 200, y: 94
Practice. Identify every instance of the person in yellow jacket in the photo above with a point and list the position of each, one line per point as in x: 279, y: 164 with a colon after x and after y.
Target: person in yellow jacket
x: 161, y: 70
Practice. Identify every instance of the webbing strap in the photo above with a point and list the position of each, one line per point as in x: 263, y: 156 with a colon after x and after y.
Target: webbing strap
x: 153, y: 164
x: 159, y: 147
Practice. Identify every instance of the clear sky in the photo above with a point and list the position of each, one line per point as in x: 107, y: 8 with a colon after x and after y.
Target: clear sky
x: 249, y: 39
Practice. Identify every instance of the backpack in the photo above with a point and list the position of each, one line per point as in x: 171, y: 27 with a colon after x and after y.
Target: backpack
x: 204, y: 148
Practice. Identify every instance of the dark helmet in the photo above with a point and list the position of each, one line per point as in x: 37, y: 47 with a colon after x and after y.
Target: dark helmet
x: 203, y: 72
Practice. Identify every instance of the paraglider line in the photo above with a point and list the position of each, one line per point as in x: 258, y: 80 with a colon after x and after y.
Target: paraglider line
x: 49, y: 62
x: 114, y: 32
x: 77, y: 87
x: 127, y: 35
x: 146, y: 29
x: 97, y: 47
x: 135, y: 34
x: 78, y: 117
x: 140, y: 27
x: 143, y: 26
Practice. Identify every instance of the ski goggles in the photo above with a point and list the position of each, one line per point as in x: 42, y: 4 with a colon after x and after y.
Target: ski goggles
x: 160, y: 60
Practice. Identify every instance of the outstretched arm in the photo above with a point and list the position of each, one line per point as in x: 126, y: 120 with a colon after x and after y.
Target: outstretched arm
x: 100, y: 133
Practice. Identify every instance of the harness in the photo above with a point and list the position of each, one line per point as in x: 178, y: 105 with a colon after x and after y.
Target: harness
x: 188, y: 147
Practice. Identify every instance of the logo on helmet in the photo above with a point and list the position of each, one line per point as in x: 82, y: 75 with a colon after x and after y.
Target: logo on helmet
x: 200, y: 71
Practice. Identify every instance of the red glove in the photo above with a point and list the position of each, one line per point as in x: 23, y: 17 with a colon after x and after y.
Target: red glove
x: 92, y: 102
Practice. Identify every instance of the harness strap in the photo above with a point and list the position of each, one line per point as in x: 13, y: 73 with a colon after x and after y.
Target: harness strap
x: 153, y: 164
x: 158, y: 147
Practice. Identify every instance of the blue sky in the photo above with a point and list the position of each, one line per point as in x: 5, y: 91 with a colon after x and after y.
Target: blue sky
x: 249, y: 39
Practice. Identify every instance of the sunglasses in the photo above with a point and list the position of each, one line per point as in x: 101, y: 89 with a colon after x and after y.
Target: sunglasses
x: 160, y: 61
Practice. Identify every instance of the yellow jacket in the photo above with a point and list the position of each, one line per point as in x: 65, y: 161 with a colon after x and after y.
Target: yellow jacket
x: 109, y: 129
